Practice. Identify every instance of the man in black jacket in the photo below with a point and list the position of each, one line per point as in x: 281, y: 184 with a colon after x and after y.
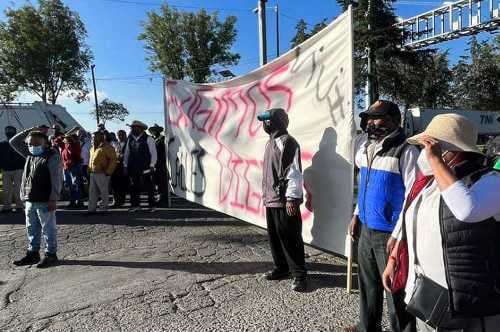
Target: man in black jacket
x: 40, y: 188
x: 139, y: 162
x: 160, y: 173
x: 282, y: 195
x: 11, y: 164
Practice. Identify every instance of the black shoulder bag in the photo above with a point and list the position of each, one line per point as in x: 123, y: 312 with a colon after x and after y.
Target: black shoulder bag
x: 429, y: 301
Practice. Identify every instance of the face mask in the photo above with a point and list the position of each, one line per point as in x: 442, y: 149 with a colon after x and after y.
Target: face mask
x: 377, y: 131
x: 10, y: 135
x: 36, y: 150
x: 423, y: 164
x: 268, y: 127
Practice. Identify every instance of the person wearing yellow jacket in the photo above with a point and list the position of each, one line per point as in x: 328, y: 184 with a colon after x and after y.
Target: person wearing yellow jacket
x: 102, y: 164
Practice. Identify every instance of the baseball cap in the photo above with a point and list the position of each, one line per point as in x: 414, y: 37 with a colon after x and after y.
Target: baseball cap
x: 381, y: 108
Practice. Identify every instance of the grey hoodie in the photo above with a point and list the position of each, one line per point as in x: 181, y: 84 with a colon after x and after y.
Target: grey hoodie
x: 282, y: 179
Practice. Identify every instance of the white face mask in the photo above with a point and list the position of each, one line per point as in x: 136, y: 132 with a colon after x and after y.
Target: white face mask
x: 423, y: 164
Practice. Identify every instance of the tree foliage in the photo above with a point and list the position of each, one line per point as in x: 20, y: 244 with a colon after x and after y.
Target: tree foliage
x: 410, y: 77
x: 386, y: 40
x: 184, y: 45
x: 476, y: 77
x: 426, y: 80
x: 302, y: 33
x: 110, y: 110
x: 43, y: 50
x: 8, y: 89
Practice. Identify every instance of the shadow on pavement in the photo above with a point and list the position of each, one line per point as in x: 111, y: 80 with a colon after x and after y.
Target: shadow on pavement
x: 161, y: 217
x: 182, y: 213
x: 231, y: 238
x: 336, y: 278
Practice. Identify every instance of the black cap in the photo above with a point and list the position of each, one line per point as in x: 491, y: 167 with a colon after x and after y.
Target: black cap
x: 381, y: 108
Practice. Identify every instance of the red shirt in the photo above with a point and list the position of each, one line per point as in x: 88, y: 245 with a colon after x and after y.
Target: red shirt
x: 71, y: 155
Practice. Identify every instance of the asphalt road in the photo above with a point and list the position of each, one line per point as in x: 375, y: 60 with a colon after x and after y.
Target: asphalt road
x: 186, y: 268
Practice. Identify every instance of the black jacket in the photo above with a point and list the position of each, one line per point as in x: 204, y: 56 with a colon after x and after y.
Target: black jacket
x: 471, y: 257
x: 10, y: 160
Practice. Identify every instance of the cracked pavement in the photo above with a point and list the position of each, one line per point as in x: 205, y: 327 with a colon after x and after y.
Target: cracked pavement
x: 186, y: 268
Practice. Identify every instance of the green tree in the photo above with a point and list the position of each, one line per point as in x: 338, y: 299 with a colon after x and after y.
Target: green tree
x: 476, y: 76
x: 426, y: 80
x: 8, y: 90
x: 301, y: 33
x: 395, y: 67
x: 184, y: 45
x: 110, y: 110
x: 43, y: 50
x: 319, y: 26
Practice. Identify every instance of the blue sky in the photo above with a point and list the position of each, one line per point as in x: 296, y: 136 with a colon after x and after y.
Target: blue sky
x: 113, y: 27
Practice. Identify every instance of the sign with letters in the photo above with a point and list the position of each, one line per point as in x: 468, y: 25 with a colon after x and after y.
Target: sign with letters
x: 216, y: 144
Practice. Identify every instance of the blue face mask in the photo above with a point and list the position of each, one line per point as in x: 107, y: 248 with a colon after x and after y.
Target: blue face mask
x: 36, y: 150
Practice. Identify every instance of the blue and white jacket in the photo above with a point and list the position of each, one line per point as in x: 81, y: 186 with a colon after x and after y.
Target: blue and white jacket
x: 386, y: 174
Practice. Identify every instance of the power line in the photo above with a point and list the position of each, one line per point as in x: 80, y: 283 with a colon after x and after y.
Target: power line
x: 419, y: 3
x: 152, y: 76
x: 130, y: 2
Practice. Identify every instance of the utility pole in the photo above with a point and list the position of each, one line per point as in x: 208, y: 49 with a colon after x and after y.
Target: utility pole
x: 261, y: 9
x: 276, y: 10
x: 371, y: 88
x: 95, y: 95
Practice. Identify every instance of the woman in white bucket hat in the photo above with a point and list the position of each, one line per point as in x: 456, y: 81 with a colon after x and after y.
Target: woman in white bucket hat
x: 452, y: 232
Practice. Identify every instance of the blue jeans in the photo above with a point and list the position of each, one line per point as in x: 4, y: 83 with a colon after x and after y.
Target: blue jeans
x: 40, y: 221
x: 72, y: 178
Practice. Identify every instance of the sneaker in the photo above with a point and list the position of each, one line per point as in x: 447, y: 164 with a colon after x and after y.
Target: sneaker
x: 79, y: 205
x: 71, y: 205
x: 32, y: 257
x: 299, y: 285
x: 276, y: 275
x: 48, y: 261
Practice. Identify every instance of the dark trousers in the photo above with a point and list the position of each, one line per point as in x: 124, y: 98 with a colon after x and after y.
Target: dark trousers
x: 285, y: 239
x: 84, y: 175
x: 161, y: 182
x: 120, y: 185
x: 372, y: 260
x: 72, y: 177
x: 141, y: 183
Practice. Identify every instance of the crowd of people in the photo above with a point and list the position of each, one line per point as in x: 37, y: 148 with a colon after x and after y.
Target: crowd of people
x: 426, y: 218
x: 94, y: 164
x: 41, y: 164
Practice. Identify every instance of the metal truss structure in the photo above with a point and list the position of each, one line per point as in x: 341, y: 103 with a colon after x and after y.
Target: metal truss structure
x: 451, y: 21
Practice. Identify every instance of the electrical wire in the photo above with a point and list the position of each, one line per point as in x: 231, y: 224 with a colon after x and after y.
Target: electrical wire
x: 153, y: 76
x: 130, y: 2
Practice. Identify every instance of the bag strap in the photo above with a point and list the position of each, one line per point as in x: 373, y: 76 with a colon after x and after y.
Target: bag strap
x: 421, y: 181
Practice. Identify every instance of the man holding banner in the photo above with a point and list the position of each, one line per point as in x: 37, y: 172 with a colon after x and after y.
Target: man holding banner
x: 282, y: 196
x: 387, y: 166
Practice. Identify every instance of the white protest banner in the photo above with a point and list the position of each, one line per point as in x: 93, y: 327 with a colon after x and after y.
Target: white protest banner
x: 216, y: 144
